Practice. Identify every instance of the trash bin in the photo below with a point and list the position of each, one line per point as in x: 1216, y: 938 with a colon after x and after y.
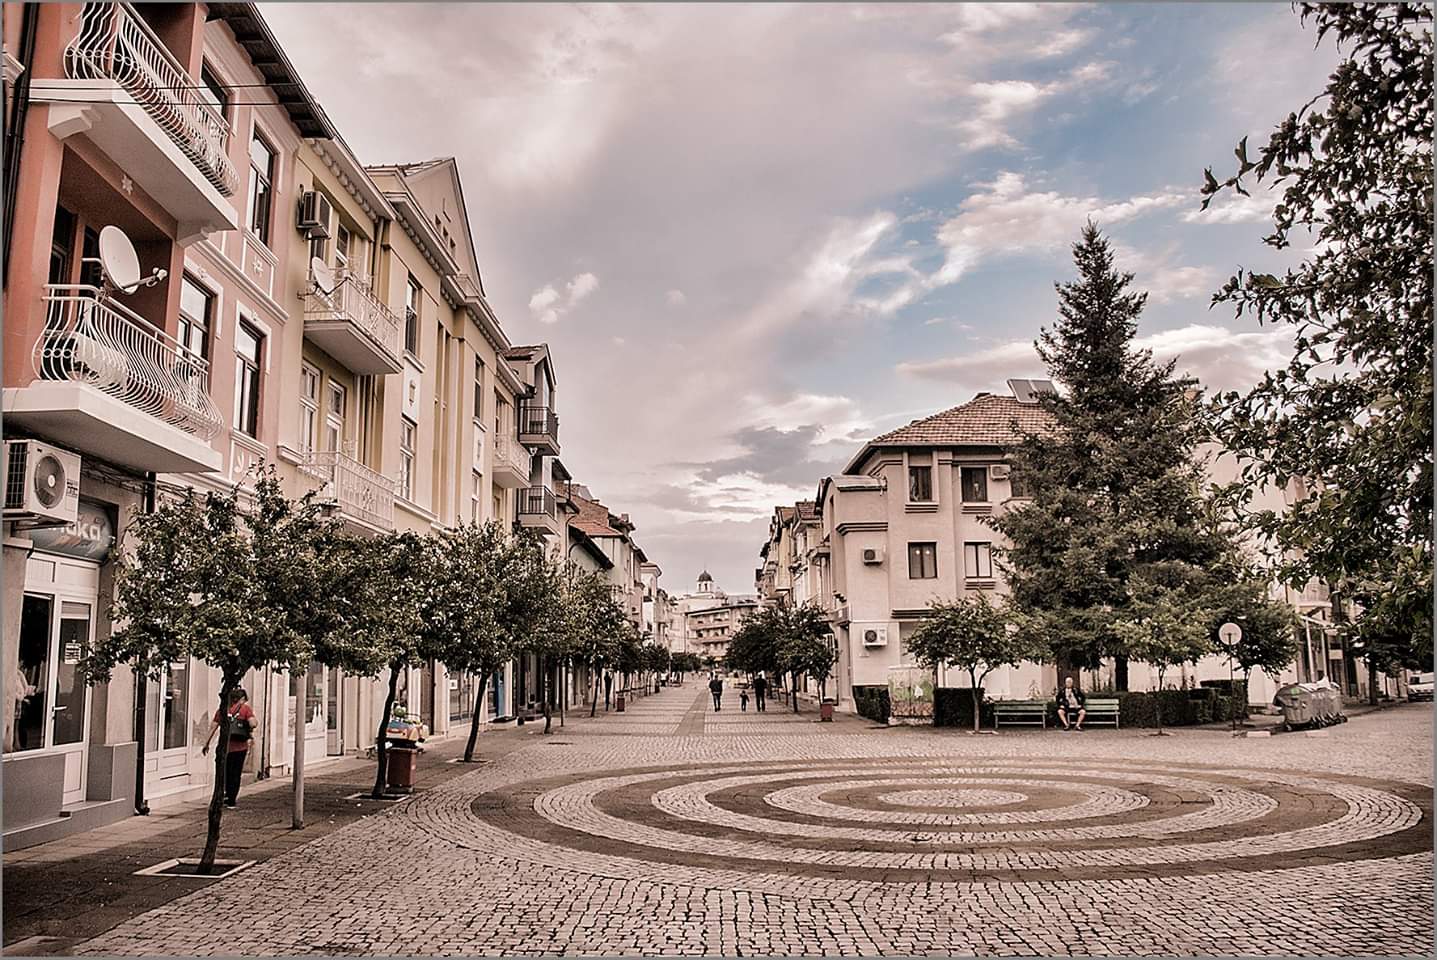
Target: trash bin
x: 400, y: 765
x: 825, y: 710
x: 619, y: 702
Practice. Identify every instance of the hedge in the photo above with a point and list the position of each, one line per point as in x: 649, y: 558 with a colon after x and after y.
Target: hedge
x: 872, y: 702
x: 1208, y: 703
x: 953, y: 707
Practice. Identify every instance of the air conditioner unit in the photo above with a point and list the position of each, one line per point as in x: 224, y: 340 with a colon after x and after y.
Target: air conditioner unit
x: 41, y: 482
x: 874, y: 634
x: 999, y: 471
x: 872, y: 554
x: 316, y: 216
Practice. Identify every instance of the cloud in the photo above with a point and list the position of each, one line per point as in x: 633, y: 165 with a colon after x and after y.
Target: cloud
x: 1233, y: 207
x: 675, y: 298
x: 1006, y: 216
x: 1220, y: 358
x: 548, y: 305
x: 1158, y: 272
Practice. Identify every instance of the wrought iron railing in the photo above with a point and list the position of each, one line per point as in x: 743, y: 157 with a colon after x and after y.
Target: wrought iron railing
x: 357, y: 490
x: 536, y: 419
x: 115, y: 43
x: 101, y: 342
x: 354, y: 301
x: 536, y: 502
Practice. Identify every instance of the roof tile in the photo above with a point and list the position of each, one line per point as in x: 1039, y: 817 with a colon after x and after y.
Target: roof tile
x: 986, y: 420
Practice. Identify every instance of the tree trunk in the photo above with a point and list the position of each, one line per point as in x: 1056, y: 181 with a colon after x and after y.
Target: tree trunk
x: 563, y: 691
x: 594, y: 707
x: 381, y: 741
x: 142, y: 808
x: 474, y: 720
x: 1120, y: 673
x: 793, y: 682
x: 1158, y: 702
x: 1372, y: 682
x: 977, y: 716
x: 301, y: 714
x: 546, y: 691
x: 217, y: 795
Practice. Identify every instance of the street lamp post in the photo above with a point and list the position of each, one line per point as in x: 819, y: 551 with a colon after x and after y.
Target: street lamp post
x: 1230, y: 633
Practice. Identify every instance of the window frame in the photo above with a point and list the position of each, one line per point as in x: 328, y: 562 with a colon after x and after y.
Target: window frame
x: 914, y: 471
x: 248, y: 424
x: 982, y: 557
x: 262, y: 200
x: 408, y: 447
x: 963, y: 486
x: 336, y: 420
x: 206, y: 324
x: 923, y: 551
x: 413, y: 296
x: 212, y: 83
x: 309, y: 408
x: 479, y: 392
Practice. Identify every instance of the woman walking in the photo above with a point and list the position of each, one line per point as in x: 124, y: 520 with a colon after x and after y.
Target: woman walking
x: 241, y: 736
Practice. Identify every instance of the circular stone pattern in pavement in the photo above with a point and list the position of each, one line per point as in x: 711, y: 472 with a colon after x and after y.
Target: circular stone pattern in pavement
x: 952, y: 798
x: 936, y: 820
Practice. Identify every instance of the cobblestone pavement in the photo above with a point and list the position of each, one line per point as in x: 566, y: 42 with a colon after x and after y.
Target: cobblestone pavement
x: 671, y: 830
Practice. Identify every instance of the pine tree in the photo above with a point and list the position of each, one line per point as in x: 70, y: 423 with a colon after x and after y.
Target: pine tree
x: 1115, y: 486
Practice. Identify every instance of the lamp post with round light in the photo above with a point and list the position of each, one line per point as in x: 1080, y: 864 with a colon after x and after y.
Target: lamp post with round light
x: 1230, y: 633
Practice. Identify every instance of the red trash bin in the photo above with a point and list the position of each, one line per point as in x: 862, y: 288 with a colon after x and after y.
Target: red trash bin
x: 619, y: 702
x: 401, y: 764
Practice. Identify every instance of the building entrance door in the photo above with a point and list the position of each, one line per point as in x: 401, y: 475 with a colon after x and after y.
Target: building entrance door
x: 55, y: 712
x: 167, y: 713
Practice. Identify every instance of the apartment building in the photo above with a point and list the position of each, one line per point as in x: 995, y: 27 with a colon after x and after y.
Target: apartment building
x: 704, y: 621
x: 282, y: 304
x: 148, y: 308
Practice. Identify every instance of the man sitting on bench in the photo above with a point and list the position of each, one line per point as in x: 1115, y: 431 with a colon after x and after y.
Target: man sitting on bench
x: 1071, y: 701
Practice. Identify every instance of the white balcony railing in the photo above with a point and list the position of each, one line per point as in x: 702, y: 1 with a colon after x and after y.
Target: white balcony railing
x: 508, y: 451
x: 114, y: 43
x: 354, y: 301
x: 358, y: 491
x: 101, y: 342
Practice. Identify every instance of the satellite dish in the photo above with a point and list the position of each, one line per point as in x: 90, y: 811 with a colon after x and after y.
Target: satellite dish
x: 118, y: 259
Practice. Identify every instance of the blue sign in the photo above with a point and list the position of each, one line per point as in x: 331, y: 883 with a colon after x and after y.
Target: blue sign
x: 90, y: 537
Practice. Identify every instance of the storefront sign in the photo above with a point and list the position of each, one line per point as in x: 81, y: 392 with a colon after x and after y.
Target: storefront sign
x: 90, y: 537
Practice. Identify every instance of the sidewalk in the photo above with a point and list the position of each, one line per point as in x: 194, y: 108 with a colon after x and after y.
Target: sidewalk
x: 61, y: 893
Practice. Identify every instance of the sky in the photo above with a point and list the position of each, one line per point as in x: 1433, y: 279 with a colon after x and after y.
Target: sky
x: 756, y: 236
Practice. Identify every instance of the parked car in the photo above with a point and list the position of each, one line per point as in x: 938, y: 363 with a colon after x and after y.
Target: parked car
x: 1419, y: 687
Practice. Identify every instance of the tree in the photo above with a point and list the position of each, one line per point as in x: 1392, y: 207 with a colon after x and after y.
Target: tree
x: 195, y: 586
x: 972, y: 634
x: 394, y: 579
x: 1167, y: 620
x: 1113, y: 477
x: 593, y: 619
x: 1350, y: 416
x: 1269, y: 630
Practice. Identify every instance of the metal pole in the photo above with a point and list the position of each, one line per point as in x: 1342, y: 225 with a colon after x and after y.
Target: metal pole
x: 300, y: 715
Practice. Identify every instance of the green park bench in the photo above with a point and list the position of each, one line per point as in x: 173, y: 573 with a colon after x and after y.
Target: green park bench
x: 1102, y: 710
x: 1020, y: 711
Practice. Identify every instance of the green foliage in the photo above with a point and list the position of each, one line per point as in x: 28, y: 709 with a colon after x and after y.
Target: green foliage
x: 1114, y: 482
x: 1351, y: 413
x: 1168, y: 619
x: 1269, y: 629
x: 970, y: 633
x: 872, y: 702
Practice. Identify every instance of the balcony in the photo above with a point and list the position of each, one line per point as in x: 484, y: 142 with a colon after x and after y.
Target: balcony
x: 111, y: 386
x: 351, y: 324
x: 363, y: 498
x: 539, y: 510
x: 539, y: 429
x: 511, y: 463
x: 134, y: 100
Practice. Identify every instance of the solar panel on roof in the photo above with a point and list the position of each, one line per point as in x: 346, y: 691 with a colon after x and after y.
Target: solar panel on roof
x: 1022, y: 390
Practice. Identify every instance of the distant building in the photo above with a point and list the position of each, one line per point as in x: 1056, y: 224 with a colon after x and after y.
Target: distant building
x: 704, y: 621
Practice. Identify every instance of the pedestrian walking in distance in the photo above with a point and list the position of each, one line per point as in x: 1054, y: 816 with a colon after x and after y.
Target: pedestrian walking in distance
x: 743, y: 700
x: 760, y: 692
x: 241, y: 736
x: 716, y: 688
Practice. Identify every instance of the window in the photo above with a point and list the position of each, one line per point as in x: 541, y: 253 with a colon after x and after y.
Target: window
x: 308, y: 408
x: 214, y: 92
x: 478, y: 390
x: 407, y: 431
x: 474, y: 497
x: 249, y: 343
x: 411, y: 317
x: 342, y: 242
x: 334, y: 417
x: 922, y: 561
x: 498, y: 507
x: 62, y: 246
x: 261, y: 187
x: 978, y: 561
x: 196, y: 310
x: 974, y: 481
x: 920, y: 484
x: 1019, y: 485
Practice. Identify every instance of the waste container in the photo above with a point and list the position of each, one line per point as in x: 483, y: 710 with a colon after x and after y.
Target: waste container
x: 619, y: 702
x: 400, y: 765
x: 825, y: 710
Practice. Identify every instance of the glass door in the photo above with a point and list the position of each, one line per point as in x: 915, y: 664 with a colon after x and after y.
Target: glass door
x: 333, y: 732
x: 32, y: 686
x: 51, y: 701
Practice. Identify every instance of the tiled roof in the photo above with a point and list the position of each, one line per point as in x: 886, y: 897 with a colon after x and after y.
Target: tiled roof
x: 807, y: 510
x: 593, y: 518
x: 785, y: 514
x: 986, y: 420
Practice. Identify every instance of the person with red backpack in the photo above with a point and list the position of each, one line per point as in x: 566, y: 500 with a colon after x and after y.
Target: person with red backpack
x: 242, y: 726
